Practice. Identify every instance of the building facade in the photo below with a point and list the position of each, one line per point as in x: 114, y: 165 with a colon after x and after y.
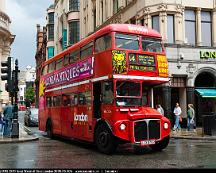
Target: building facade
x: 6, y: 39
x: 40, y: 57
x: 26, y: 78
x: 63, y: 25
x: 188, y: 29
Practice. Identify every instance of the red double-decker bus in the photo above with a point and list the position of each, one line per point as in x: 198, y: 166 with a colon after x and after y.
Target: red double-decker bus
x: 100, y: 89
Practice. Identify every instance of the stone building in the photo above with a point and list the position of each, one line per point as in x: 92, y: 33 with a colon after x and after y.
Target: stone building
x: 40, y: 57
x: 62, y: 25
x: 6, y: 39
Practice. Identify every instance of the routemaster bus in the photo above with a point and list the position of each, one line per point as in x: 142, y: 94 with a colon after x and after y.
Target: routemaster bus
x: 100, y: 89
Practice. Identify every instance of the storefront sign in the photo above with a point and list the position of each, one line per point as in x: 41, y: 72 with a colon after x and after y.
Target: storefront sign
x: 208, y: 55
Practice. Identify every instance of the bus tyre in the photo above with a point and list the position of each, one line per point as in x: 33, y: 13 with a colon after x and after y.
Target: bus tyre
x: 104, y: 139
x: 161, y: 145
x: 49, y: 129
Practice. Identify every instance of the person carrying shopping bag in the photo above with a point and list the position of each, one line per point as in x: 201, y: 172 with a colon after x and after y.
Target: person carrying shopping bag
x: 177, y: 111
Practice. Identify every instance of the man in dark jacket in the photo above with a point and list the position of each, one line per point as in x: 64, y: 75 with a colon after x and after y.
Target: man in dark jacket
x: 8, y: 116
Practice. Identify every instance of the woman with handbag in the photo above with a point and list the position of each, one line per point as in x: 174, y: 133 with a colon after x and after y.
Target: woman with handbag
x: 190, y: 117
x: 1, y: 124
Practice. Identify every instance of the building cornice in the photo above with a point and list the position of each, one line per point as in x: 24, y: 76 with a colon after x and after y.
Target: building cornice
x: 117, y: 17
x: 7, y: 35
x: 4, y: 16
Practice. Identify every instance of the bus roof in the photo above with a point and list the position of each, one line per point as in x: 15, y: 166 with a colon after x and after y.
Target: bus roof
x: 123, y: 28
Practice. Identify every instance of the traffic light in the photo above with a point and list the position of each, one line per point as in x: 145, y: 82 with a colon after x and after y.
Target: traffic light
x: 6, y: 73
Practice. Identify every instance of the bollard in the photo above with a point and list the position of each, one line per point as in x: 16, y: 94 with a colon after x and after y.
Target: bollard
x: 15, y: 129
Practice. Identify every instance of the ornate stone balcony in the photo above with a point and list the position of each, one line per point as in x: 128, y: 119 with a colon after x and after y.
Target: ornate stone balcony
x: 4, y: 21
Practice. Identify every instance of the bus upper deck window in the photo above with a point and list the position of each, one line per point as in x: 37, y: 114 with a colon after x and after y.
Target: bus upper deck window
x: 66, y: 59
x: 124, y: 41
x: 51, y: 67
x: 59, y: 64
x: 151, y: 45
x: 86, y: 50
x: 103, y: 43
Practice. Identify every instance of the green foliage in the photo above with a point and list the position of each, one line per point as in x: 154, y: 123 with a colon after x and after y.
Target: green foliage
x: 30, y: 94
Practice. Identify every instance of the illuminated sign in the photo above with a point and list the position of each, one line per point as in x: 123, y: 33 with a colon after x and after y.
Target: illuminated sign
x: 208, y: 55
x: 146, y: 60
x: 138, y: 29
x: 142, y: 68
x: 141, y: 62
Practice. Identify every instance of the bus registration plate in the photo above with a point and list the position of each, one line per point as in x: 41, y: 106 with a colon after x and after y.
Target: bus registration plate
x: 147, y: 142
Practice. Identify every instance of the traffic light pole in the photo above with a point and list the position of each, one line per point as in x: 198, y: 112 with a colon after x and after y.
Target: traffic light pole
x: 15, y: 123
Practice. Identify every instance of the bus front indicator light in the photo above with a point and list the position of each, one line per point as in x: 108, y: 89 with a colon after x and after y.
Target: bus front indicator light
x: 122, y: 127
x: 166, y: 125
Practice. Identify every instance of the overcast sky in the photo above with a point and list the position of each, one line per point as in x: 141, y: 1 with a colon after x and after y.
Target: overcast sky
x: 25, y: 15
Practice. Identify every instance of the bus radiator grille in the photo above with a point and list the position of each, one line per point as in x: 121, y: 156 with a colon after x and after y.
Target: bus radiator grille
x: 145, y: 130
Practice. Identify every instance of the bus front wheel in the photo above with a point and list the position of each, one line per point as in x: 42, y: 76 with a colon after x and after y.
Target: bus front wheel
x: 161, y: 145
x: 49, y: 129
x: 104, y: 139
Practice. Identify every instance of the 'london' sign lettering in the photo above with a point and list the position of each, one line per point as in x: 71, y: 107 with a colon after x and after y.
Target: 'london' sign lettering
x: 207, y: 55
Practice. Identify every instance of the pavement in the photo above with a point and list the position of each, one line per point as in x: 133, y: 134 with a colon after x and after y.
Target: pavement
x: 198, y: 134
x: 24, y: 136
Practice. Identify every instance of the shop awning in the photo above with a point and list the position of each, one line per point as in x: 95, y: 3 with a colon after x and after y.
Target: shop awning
x: 207, y: 93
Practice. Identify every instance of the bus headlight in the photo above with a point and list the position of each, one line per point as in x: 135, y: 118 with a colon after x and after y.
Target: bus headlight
x: 166, y: 125
x: 122, y: 127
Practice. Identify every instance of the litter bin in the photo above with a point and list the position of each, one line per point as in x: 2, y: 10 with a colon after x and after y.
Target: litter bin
x: 209, y: 124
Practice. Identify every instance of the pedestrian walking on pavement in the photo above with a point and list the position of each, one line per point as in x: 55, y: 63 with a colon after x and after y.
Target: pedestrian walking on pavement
x: 177, y: 111
x: 8, y: 116
x: 1, y: 123
x: 160, y: 109
x: 190, y: 117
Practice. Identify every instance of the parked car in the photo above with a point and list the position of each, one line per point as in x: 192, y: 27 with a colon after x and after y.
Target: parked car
x: 31, y: 117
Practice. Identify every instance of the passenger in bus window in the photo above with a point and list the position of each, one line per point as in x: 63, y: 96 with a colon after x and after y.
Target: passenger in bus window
x: 108, y: 95
x: 75, y: 99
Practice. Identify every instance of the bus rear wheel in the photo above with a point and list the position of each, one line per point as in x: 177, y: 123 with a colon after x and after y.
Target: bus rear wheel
x: 161, y: 145
x: 104, y: 139
x: 49, y: 129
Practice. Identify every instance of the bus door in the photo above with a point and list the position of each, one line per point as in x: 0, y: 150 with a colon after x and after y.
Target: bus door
x: 67, y: 112
x: 97, y: 100
x: 83, y: 117
x: 107, y: 99
x: 56, y: 114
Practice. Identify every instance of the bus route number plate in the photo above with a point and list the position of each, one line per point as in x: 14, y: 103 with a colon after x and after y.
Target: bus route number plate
x: 147, y: 142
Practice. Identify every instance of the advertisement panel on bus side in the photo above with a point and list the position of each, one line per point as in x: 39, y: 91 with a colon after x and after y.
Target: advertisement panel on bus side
x: 77, y: 71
